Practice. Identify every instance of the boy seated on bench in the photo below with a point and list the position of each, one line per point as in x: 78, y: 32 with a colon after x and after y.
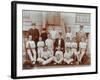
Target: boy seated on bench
x: 68, y: 55
x: 40, y: 45
x: 30, y: 49
x: 82, y: 49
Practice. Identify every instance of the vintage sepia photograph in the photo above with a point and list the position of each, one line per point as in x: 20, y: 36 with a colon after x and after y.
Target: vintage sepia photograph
x: 55, y: 39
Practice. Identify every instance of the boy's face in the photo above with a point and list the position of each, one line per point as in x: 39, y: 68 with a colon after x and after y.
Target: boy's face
x: 40, y: 39
x: 81, y: 27
x: 34, y: 26
x: 59, y: 36
x: 69, y: 29
x: 30, y: 37
x: 53, y: 28
x: 48, y: 35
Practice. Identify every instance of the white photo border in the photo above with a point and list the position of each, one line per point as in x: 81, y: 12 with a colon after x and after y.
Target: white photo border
x: 17, y: 66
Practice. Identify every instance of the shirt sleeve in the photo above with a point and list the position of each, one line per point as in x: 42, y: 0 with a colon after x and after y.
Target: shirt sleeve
x: 34, y: 44
x: 64, y: 55
x: 27, y: 44
x: 38, y: 44
x: 43, y: 44
x: 80, y: 45
x: 46, y: 42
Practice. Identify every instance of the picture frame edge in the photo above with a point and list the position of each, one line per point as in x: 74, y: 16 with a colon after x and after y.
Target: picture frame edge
x: 14, y: 37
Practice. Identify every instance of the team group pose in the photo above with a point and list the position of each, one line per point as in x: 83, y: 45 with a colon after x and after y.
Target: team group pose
x: 49, y: 47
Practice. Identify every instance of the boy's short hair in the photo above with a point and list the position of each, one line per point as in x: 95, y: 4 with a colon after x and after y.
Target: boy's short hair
x: 44, y: 29
x: 33, y: 24
x: 81, y: 26
x: 60, y: 33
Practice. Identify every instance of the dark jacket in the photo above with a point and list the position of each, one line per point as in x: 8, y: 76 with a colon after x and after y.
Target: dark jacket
x: 34, y: 33
x: 62, y: 45
x: 44, y: 36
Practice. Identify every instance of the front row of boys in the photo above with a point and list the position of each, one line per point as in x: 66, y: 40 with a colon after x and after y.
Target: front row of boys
x: 46, y: 54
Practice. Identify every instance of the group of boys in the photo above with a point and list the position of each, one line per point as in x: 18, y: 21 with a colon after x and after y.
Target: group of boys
x: 56, y: 50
